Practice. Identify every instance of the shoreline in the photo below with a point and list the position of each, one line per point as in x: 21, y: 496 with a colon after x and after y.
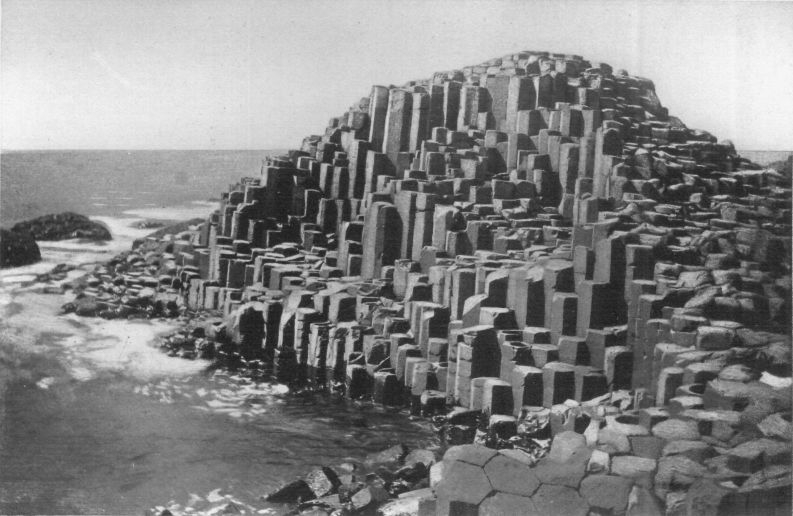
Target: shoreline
x: 46, y: 285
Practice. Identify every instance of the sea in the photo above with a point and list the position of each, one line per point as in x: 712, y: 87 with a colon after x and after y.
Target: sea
x: 94, y: 418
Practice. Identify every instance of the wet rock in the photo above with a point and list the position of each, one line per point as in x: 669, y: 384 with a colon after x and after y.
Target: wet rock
x: 399, y: 486
x: 323, y: 481
x: 501, y: 428
x: 348, y: 489
x: 292, y: 492
x: 459, y: 416
x: 436, y: 474
x: 535, y: 422
x: 390, y: 456
x: 18, y: 248
x: 460, y: 434
x: 86, y: 306
x: 413, y: 472
x: 368, y: 498
x: 425, y: 457
x: 408, y: 503
x: 63, y: 226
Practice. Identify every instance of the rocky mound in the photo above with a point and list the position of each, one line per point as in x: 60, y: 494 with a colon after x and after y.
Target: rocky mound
x: 17, y: 248
x: 530, y: 250
x: 63, y: 226
x: 168, y: 229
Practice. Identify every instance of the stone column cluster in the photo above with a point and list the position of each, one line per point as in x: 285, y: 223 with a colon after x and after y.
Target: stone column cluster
x: 532, y: 233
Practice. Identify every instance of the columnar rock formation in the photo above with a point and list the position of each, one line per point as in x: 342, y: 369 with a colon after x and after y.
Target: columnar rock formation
x: 534, y: 236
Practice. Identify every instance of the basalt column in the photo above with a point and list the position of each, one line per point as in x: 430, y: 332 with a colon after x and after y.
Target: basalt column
x: 396, y: 138
x: 382, y: 236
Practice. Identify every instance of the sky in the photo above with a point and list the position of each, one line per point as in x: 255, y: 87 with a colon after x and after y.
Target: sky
x: 205, y: 74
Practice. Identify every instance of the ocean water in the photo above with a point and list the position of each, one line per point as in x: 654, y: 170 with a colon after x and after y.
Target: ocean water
x: 94, y: 419
x: 34, y: 183
x: 765, y: 157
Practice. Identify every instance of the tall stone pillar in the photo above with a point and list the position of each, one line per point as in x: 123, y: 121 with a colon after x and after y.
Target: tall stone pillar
x: 396, y: 138
x: 382, y: 236
x: 378, y: 109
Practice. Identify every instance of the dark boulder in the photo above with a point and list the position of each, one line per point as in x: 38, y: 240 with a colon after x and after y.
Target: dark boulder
x: 18, y: 248
x: 63, y: 226
x: 291, y: 493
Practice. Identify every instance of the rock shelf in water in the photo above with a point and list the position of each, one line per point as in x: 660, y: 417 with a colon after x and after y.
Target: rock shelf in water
x: 63, y: 226
x: 532, y: 248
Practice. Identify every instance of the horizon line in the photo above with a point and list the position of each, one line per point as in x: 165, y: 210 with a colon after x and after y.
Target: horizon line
x: 2, y: 151
x: 119, y: 149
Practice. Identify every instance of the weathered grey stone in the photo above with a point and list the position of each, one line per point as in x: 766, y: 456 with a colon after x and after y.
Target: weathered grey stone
x: 641, y: 502
x: 612, y: 441
x: 676, y: 429
x: 564, y: 445
x: 462, y: 483
x: 470, y: 453
x: 599, y: 462
x: 504, y: 504
x: 676, y: 472
x: 641, y: 470
x: 606, y: 492
x: 554, y: 500
x: 567, y: 473
x: 776, y: 425
x: 697, y: 451
x: 508, y: 475
x: 626, y: 425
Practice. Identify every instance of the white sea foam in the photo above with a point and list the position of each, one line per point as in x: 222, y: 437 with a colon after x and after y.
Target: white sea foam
x: 45, y: 383
x: 126, y: 346
x: 90, y: 345
x: 176, y: 213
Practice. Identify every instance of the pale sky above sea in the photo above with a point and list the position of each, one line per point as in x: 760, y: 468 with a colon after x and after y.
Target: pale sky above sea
x: 178, y: 74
